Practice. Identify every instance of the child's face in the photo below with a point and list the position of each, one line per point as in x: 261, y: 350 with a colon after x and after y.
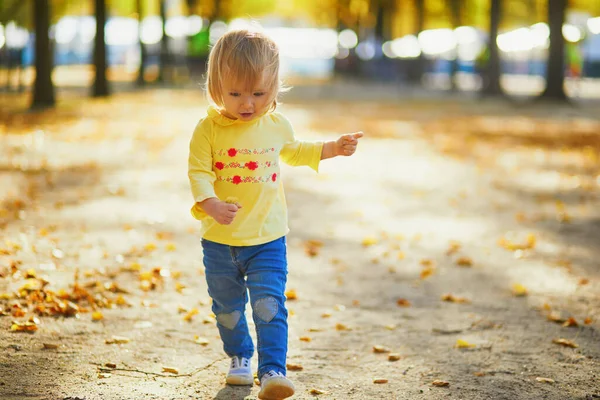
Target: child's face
x: 243, y: 103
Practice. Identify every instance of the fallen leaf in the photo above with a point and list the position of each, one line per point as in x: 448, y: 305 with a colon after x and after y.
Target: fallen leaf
x: 380, y: 349
x: 104, y: 375
x: 188, y: 317
x: 50, y: 346
x: 464, y: 262
x: 570, y: 322
x: 317, y: 391
x: 380, y: 380
x: 294, y: 367
x: 454, y: 299
x: 453, y: 247
x: 326, y: 315
x: 463, y: 344
x: 440, y: 383
x: 426, y: 272
x: 393, y: 357
x: 587, y: 321
x: 312, y: 247
x: 544, y: 380
x: 117, y: 340
x: 403, y: 303
x: 110, y: 365
x: 97, y: 316
x: 519, y: 290
x: 565, y: 342
x: 342, y: 327
x: 479, y: 373
x: 170, y: 370
x: 369, y: 241
x: 179, y: 287
x: 291, y: 294
x: 201, y: 340
x: 170, y: 247
x: 305, y: 338
x: 390, y: 327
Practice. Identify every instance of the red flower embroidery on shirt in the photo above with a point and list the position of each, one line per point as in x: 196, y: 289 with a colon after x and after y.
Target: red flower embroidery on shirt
x: 237, y: 179
x: 274, y: 177
x: 252, y: 165
x: 232, y: 152
x: 219, y: 165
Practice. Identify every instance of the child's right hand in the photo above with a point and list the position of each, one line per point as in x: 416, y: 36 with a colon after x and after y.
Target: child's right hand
x: 222, y: 212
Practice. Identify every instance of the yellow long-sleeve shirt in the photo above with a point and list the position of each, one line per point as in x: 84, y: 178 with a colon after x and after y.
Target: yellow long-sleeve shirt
x: 233, y: 158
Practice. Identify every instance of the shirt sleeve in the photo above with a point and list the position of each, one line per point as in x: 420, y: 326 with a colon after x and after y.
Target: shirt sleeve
x: 299, y: 152
x: 200, y: 173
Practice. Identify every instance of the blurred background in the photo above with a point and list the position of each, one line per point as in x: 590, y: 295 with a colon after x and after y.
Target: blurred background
x: 491, y: 46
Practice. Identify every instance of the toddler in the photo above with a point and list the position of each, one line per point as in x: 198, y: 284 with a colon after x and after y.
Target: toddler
x: 236, y: 183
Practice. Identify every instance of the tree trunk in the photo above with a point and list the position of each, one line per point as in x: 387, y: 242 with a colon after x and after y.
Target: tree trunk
x: 142, y: 70
x: 555, y: 77
x: 100, y: 63
x: 491, y: 85
x: 455, y: 11
x: 43, y: 88
x: 164, y: 43
x: 421, y: 62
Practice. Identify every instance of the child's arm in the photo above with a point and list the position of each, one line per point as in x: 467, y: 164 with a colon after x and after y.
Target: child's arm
x: 344, y: 146
x: 202, y: 179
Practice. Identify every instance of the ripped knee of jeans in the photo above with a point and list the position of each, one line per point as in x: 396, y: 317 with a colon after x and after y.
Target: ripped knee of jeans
x: 266, y: 308
x: 230, y: 320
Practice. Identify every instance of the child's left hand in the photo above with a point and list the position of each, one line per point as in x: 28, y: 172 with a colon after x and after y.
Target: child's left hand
x: 346, y: 144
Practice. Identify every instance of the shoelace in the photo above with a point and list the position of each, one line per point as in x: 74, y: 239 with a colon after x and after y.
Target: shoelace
x: 272, y: 374
x: 235, y: 362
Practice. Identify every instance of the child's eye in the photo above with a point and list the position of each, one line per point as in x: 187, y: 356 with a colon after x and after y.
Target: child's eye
x: 258, y: 94
x: 234, y: 94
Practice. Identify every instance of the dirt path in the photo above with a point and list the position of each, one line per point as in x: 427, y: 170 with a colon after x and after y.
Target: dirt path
x: 104, y: 191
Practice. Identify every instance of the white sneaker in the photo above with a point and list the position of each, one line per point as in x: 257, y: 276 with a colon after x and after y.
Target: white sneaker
x: 240, y: 372
x: 275, y: 386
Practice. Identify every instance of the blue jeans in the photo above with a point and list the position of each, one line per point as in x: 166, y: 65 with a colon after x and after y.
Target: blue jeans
x: 232, y: 272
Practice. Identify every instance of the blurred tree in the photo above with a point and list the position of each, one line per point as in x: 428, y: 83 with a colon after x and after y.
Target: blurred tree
x: 555, y: 71
x: 164, y: 43
x: 456, y: 19
x: 140, y: 81
x: 491, y: 84
x: 43, y: 88
x: 100, y: 87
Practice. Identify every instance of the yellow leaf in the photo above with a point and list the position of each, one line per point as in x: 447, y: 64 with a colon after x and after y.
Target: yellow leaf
x: 342, y: 327
x: 427, y: 272
x: 201, y: 341
x: 464, y: 262
x: 565, y: 342
x: 305, y: 338
x: 571, y: 322
x: 317, y: 391
x: 188, y: 317
x: 294, y: 367
x: 50, y: 346
x: 170, y: 247
x: 150, y: 246
x: 179, y: 287
x: 380, y: 349
x: 393, y: 357
x: 171, y: 370
x: 440, y: 383
x: 544, y: 380
x: 369, y: 241
x: 380, y: 380
x: 97, y: 316
x: 463, y: 344
x: 519, y: 290
x: 117, y: 340
x: 454, y: 299
x: 291, y: 294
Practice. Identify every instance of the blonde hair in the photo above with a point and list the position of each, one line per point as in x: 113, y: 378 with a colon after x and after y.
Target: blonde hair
x: 245, y: 57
